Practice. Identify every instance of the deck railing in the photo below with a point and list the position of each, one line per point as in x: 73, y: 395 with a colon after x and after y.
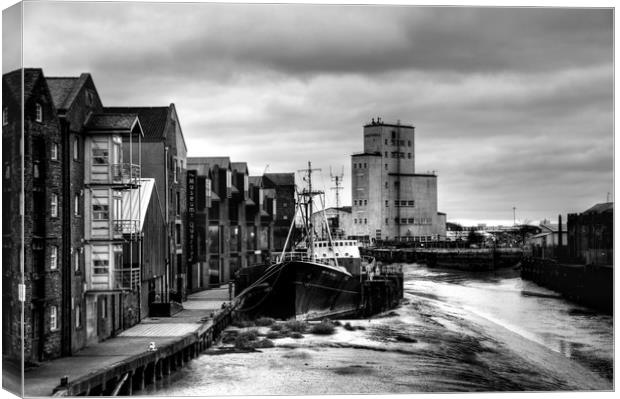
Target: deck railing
x: 125, y: 173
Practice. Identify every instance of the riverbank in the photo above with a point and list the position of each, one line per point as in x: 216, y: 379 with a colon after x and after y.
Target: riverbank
x: 100, y: 368
x: 425, y: 345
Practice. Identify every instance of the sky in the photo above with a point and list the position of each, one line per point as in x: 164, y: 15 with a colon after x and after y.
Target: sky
x: 513, y: 107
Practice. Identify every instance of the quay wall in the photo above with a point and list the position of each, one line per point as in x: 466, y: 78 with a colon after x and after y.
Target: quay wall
x: 587, y: 285
x: 449, y: 258
x: 136, y: 372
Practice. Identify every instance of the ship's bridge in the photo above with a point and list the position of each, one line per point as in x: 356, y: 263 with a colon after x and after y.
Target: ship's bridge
x: 338, y: 248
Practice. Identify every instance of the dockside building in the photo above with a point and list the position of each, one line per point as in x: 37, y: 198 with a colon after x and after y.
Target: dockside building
x: 390, y: 200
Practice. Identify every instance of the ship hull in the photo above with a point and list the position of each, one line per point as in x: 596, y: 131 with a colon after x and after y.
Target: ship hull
x: 303, y: 290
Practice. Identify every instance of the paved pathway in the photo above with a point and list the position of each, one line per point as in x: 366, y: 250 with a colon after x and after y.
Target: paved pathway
x: 41, y: 380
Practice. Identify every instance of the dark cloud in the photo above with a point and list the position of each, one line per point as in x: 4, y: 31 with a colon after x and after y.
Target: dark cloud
x: 512, y: 106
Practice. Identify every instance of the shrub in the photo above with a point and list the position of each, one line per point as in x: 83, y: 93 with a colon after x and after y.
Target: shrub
x: 274, y: 335
x: 246, y: 339
x: 264, y: 343
x: 277, y: 327
x: 264, y: 321
x: 296, y: 325
x: 325, y: 327
x: 242, y: 323
x: 348, y: 327
x: 361, y: 327
x: 296, y: 335
x: 337, y: 323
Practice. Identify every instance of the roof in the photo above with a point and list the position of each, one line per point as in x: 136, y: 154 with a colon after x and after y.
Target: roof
x: 601, y: 208
x: 60, y: 89
x: 13, y: 80
x: 241, y: 167
x: 222, y: 162
x: 362, y: 154
x: 379, y: 122
x: 553, y: 227
x: 112, y: 122
x: 255, y: 180
x: 281, y: 179
x: 136, y: 202
x: 152, y: 119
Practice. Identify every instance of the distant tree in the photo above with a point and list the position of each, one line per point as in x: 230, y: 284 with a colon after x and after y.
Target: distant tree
x: 453, y: 226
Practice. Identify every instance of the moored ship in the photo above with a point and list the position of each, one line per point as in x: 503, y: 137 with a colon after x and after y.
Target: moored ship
x: 316, y: 279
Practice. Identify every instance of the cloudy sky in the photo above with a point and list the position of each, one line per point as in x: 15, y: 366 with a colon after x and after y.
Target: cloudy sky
x: 512, y: 106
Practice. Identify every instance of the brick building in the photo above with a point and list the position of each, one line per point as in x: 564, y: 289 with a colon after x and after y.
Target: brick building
x: 390, y: 200
x: 591, y: 235
x: 231, y: 220
x: 283, y: 185
x: 35, y: 241
x: 164, y: 158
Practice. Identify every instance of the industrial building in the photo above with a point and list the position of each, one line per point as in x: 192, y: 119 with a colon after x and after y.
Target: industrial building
x: 390, y: 200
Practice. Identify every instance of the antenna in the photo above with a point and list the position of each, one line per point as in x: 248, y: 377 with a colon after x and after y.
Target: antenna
x: 337, y: 179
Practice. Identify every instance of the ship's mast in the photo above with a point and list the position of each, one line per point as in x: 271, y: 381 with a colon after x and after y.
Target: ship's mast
x: 337, y: 179
x: 309, y: 194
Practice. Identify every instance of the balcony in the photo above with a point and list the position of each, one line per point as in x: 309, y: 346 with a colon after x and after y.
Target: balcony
x: 127, y: 278
x: 125, y: 173
x: 129, y: 226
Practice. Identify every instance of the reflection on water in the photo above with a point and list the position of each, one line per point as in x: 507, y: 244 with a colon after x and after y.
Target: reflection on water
x: 523, y: 307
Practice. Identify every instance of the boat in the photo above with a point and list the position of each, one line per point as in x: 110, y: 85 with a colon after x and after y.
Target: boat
x: 316, y: 279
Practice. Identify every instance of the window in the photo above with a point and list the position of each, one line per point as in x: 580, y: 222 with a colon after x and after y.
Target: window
x: 403, y: 203
x: 76, y: 149
x: 365, y: 165
x: 175, y: 170
x: 410, y: 220
x: 387, y: 221
x: 396, y: 203
x: 54, y: 257
x: 76, y: 205
x: 103, y: 307
x: 101, y: 154
x: 411, y: 203
x: 7, y: 170
x: 386, y: 184
x: 386, y: 142
x: 78, y: 316
x: 35, y: 170
x: 53, y: 318
x: 365, y: 221
x: 76, y: 260
x: 178, y: 202
x: 409, y: 155
x: 393, y: 134
x: 101, y: 259
x: 386, y: 164
x: 408, y: 143
x: 403, y: 221
x: 38, y: 113
x: 5, y: 116
x: 178, y: 233
x: 101, y: 211
x: 54, y: 151
x: 54, y: 206
x: 354, y: 166
x: 387, y: 204
x: 386, y: 154
x: 355, y: 202
x: 365, y: 202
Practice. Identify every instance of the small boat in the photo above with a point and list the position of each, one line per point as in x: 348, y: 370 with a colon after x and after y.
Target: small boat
x: 317, y: 279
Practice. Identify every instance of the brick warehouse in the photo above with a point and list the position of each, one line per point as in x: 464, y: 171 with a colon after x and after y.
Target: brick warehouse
x: 42, y: 237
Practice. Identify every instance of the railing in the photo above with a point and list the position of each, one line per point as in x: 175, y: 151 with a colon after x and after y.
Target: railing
x: 125, y: 226
x: 125, y: 173
x: 127, y: 278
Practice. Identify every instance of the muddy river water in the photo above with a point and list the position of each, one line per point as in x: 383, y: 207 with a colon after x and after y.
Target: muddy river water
x: 454, y: 332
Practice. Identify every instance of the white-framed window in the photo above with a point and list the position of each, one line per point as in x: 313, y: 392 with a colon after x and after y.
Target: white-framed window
x: 76, y: 149
x: 54, y: 152
x: 76, y: 205
x: 246, y: 185
x: 175, y: 170
x: 101, y: 153
x: 38, y: 112
x: 78, y: 316
x: 53, y: 257
x: 274, y: 207
x: 101, y: 259
x: 53, y: 318
x: 177, y: 233
x: 228, y: 179
x: 5, y: 116
x: 101, y: 206
x: 76, y: 260
x: 54, y: 205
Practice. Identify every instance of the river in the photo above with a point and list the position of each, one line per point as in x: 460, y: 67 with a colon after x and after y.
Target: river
x: 454, y: 332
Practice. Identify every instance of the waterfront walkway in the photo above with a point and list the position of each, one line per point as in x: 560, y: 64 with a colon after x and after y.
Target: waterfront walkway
x: 133, y: 342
